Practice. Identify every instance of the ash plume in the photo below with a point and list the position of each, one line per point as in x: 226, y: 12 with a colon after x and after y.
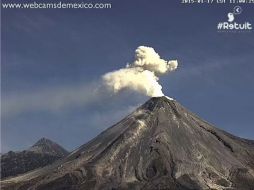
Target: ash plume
x: 142, y: 75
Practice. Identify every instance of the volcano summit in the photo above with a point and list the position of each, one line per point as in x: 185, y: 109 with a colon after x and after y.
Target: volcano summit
x: 161, y: 145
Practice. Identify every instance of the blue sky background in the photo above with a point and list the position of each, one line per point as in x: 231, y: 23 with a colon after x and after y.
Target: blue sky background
x: 52, y: 62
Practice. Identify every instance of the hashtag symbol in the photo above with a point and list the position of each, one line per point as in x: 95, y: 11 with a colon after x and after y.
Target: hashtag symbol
x: 219, y: 26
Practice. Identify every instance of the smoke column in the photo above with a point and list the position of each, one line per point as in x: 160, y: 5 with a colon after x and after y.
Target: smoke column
x: 142, y: 75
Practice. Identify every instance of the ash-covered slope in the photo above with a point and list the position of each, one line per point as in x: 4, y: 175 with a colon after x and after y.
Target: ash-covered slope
x: 47, y: 146
x: 42, y: 153
x: 159, y: 146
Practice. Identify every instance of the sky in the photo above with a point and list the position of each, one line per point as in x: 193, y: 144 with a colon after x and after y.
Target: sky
x: 52, y: 61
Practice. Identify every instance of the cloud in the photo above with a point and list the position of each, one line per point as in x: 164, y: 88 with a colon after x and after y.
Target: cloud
x: 51, y: 99
x: 142, y: 75
x: 148, y: 59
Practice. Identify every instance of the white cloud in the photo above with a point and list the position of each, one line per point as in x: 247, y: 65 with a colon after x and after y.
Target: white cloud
x: 51, y: 99
x: 142, y: 75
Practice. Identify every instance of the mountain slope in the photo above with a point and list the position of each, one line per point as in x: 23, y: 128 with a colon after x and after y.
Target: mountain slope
x: 159, y: 146
x: 42, y: 153
x: 47, y: 146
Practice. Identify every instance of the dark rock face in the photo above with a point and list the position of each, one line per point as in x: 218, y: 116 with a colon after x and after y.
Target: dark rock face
x: 159, y: 146
x: 42, y: 153
x: 47, y: 146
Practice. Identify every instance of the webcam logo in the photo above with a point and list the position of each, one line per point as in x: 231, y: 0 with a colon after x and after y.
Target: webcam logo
x: 233, y: 26
x: 231, y: 17
x: 236, y: 11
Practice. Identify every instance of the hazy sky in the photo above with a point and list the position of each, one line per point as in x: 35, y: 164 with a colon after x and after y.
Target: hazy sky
x: 52, y: 62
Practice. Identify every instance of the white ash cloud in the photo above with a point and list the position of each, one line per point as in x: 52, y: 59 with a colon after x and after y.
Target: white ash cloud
x: 142, y: 74
x: 52, y: 99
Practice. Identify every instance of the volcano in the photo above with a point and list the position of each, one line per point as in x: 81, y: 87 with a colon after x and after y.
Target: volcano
x: 161, y: 145
x: 42, y: 153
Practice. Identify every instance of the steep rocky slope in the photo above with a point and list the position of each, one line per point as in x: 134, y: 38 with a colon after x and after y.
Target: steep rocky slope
x: 42, y: 153
x: 161, y: 145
